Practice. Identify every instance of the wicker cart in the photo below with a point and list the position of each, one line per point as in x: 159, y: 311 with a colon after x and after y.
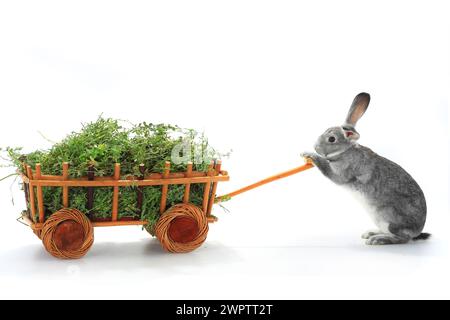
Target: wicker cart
x: 69, y: 233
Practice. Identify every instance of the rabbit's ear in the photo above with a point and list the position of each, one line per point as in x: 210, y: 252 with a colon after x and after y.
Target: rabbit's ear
x: 359, y: 106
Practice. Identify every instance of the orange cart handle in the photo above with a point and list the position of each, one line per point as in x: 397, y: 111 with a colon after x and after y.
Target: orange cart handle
x: 306, y: 166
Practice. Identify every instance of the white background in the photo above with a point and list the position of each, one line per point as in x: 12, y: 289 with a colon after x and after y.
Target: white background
x: 263, y: 78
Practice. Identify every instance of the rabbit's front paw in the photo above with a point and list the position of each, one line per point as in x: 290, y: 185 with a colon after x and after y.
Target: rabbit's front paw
x: 309, y: 157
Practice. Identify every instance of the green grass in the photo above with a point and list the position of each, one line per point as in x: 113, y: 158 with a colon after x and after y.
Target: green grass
x: 106, y: 141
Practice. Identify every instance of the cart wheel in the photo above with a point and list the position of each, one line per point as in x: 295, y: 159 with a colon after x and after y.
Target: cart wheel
x: 67, y: 234
x: 182, y: 228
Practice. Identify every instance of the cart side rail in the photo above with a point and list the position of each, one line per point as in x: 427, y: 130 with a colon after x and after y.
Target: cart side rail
x: 35, y: 180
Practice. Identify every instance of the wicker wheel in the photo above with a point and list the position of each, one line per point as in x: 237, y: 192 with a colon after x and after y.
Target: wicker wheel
x: 183, y: 228
x: 67, y: 234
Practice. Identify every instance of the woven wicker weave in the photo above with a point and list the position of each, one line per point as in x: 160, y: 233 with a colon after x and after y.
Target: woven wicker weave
x: 51, y: 225
x: 181, y: 210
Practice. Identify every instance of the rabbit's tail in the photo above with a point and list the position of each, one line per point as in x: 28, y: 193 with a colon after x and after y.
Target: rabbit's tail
x: 422, y: 236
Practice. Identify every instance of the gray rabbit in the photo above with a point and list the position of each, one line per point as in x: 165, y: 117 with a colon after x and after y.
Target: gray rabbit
x: 395, y: 201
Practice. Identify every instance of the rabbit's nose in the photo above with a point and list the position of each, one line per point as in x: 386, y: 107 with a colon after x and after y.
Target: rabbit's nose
x: 317, y: 147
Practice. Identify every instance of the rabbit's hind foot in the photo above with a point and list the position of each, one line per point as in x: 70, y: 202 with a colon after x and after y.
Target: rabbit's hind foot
x: 385, y: 239
x: 370, y: 233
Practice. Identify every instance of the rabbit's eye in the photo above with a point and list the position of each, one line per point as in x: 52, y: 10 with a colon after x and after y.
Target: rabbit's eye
x: 331, y: 139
